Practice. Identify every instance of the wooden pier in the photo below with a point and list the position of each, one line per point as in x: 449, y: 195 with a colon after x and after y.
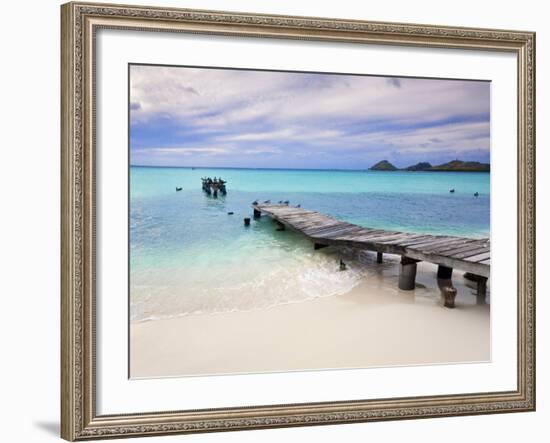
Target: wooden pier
x: 448, y: 252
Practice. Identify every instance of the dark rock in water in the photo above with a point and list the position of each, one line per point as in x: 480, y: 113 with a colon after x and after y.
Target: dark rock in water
x: 178, y: 189
x: 230, y: 213
x: 255, y: 202
x: 476, y: 194
x: 452, y: 191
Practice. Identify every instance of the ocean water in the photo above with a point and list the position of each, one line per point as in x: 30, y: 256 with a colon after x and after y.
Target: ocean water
x: 188, y: 256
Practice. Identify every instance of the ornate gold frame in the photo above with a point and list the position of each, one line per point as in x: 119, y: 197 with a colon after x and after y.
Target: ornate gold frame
x: 79, y: 420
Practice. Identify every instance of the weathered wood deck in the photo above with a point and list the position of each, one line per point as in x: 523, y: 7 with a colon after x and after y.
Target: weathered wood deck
x: 467, y: 254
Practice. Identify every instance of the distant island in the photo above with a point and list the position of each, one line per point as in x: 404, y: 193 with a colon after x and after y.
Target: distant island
x: 422, y: 166
x: 383, y: 165
x: 452, y: 166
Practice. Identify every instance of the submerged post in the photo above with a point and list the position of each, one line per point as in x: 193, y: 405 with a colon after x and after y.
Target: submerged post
x: 407, y: 273
x: 257, y: 214
x: 481, y: 288
x: 379, y: 257
x: 449, y: 294
x: 247, y: 221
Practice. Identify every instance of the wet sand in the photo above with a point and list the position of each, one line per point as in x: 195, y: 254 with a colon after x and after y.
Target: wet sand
x: 374, y: 324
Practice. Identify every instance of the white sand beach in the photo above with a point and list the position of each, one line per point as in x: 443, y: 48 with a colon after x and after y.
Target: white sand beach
x: 374, y: 324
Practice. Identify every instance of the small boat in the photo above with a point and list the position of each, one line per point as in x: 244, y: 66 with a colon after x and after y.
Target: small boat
x: 178, y: 189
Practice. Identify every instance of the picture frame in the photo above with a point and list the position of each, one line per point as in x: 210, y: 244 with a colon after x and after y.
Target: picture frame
x: 80, y: 24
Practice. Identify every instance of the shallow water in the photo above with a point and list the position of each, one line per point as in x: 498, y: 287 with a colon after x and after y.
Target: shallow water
x: 187, y: 255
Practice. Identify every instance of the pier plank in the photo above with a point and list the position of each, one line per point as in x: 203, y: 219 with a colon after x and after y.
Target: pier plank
x: 457, y: 246
x: 409, y: 238
x: 451, y: 244
x: 418, y: 240
x: 427, y: 245
x: 342, y: 231
x: 479, y: 258
x: 472, y: 252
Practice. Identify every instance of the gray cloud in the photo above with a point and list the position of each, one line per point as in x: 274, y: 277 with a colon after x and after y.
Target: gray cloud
x: 189, y: 90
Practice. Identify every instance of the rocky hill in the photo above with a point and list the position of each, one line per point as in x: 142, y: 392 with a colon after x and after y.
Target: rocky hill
x: 383, y: 165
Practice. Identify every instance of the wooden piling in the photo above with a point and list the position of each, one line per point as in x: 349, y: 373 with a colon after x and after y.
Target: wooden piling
x: 318, y: 246
x: 247, y: 221
x: 482, y: 288
x: 444, y: 272
x: 257, y: 214
x: 379, y: 257
x: 280, y: 226
x: 407, y: 274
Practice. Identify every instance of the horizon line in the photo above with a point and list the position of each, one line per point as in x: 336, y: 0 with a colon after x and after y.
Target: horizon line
x: 289, y: 169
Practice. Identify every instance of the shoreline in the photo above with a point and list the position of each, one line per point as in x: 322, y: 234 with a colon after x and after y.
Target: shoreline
x: 372, y: 325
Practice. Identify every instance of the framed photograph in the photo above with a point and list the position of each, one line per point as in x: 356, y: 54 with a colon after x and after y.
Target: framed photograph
x: 283, y: 221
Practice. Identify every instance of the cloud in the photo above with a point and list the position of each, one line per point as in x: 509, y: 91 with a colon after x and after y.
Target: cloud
x: 193, y: 115
x: 260, y: 151
x: 189, y: 150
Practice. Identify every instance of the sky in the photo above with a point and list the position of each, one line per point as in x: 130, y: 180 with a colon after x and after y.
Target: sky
x: 182, y: 116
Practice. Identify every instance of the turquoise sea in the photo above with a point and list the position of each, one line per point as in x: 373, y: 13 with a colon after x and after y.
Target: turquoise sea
x: 187, y: 255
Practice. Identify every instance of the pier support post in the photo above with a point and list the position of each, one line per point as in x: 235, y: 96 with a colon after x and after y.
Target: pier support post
x: 247, y: 221
x: 444, y: 273
x: 280, y: 226
x: 257, y: 214
x: 379, y: 257
x: 318, y: 246
x: 449, y: 295
x: 407, y: 273
x: 481, y: 288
